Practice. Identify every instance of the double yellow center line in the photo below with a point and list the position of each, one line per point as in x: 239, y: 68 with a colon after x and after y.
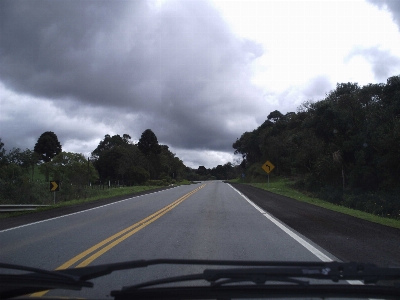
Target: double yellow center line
x: 104, y: 246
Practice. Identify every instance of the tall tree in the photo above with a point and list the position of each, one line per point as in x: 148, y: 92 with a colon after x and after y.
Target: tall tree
x: 148, y: 143
x: 116, y: 158
x: 248, y: 146
x: 109, y: 143
x: 3, y: 160
x: 47, y: 146
x: 275, y: 116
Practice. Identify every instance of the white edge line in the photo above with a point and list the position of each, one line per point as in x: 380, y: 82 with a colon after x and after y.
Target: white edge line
x: 300, y: 240
x: 78, y: 212
x: 296, y: 237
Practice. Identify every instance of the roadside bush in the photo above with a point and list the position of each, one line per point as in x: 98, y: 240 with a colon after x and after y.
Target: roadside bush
x: 385, y: 204
x: 136, y: 175
x: 331, y: 194
x: 157, y: 182
x: 307, y: 183
x: 382, y: 204
x: 23, y: 192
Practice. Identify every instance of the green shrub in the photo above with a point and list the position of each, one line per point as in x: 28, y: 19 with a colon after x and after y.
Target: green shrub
x: 382, y: 204
x: 331, y: 194
x: 157, y: 183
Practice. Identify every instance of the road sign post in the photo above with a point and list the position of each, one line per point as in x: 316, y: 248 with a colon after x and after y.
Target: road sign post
x: 268, y: 167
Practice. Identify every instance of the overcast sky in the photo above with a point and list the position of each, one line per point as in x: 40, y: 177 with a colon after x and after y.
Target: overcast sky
x: 198, y: 73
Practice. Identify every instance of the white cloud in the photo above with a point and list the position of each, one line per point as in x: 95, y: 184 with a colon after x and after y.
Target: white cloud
x: 207, y: 158
x: 306, y: 39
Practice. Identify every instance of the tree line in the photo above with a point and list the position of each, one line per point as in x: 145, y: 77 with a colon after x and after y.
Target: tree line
x: 115, y: 161
x: 221, y: 172
x: 344, y: 148
x: 117, y: 158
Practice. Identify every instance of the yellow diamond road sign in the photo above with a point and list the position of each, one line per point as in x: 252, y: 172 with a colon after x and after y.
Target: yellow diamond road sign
x: 268, y: 166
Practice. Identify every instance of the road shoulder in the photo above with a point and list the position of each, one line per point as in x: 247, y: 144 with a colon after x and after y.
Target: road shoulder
x: 346, y: 237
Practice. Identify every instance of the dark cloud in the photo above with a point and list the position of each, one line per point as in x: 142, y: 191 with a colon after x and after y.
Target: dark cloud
x: 178, y: 66
x: 384, y: 64
x: 23, y: 119
x: 393, y: 6
x: 84, y: 69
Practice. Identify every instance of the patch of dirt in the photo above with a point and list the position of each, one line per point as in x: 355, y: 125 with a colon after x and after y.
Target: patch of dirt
x: 346, y: 237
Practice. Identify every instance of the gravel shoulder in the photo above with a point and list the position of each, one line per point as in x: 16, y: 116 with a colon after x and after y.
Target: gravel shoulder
x: 346, y: 237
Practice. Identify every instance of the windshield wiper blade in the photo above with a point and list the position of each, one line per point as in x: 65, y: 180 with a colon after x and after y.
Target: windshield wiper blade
x: 15, y: 285
x: 201, y: 276
x: 278, y: 271
x: 286, y: 272
x: 92, y: 272
x: 38, y: 279
x: 12, y: 285
x: 333, y: 271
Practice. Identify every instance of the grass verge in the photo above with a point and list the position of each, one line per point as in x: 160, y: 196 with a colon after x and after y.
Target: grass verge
x: 282, y: 187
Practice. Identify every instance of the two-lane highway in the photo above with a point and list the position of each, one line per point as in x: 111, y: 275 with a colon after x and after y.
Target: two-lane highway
x: 208, y: 220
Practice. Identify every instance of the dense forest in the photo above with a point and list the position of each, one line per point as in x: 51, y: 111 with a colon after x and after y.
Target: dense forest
x: 344, y: 148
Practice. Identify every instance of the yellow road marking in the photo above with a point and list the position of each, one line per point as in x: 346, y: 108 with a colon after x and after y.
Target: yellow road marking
x: 117, y: 238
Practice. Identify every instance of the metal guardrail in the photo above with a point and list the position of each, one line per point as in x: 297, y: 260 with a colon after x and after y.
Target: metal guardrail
x: 19, y: 207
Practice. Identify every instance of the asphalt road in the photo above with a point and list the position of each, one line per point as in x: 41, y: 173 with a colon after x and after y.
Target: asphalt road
x: 348, y: 238
x: 208, y: 220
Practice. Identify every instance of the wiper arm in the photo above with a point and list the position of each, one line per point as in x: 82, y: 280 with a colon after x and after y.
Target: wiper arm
x: 15, y: 285
x: 92, y: 272
x: 12, y: 285
x: 283, y: 271
x: 33, y: 270
x: 201, y: 276
x: 280, y: 272
x: 333, y: 271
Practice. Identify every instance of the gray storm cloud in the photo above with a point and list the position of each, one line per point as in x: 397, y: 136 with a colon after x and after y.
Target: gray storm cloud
x: 84, y: 69
x: 178, y: 66
x: 393, y: 7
